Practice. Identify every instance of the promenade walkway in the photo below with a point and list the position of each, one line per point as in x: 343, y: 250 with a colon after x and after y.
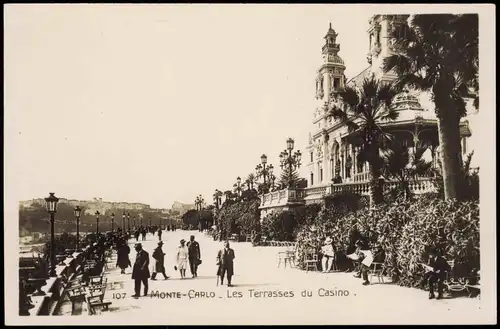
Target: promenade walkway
x: 334, y: 298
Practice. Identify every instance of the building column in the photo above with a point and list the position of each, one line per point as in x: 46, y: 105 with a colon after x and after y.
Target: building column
x: 326, y: 162
x: 342, y: 161
x: 354, y: 161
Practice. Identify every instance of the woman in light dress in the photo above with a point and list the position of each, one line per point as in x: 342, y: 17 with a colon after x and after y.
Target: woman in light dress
x: 328, y: 255
x: 182, y: 258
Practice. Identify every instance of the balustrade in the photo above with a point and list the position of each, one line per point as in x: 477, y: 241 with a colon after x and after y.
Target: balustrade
x: 360, y: 185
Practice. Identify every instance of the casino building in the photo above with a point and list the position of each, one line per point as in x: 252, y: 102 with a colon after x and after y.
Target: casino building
x: 331, y: 157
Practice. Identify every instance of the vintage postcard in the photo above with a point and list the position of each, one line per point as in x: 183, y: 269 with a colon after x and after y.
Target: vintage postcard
x: 249, y: 164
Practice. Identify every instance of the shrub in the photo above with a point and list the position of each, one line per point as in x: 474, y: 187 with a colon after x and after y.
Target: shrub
x: 241, y: 217
x: 406, y: 230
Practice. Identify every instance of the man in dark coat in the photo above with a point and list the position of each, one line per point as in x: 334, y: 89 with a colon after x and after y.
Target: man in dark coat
x: 159, y: 233
x: 123, y: 260
x: 194, y: 256
x: 140, y: 272
x: 436, y: 273
x: 159, y: 257
x: 225, y: 258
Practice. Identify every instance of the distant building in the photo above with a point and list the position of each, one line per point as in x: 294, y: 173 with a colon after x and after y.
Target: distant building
x: 182, y: 208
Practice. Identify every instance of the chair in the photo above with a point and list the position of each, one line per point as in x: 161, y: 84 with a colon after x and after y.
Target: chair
x: 311, y: 260
x: 377, y: 269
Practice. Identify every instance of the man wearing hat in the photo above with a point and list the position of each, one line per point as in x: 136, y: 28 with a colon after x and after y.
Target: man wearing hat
x: 182, y: 258
x: 328, y: 255
x: 140, y: 272
x: 194, y: 256
x: 436, y: 273
x: 225, y: 261
x: 159, y: 266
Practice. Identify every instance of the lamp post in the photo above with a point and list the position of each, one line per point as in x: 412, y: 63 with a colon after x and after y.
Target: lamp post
x: 51, y: 201
x: 128, y: 222
x: 290, y: 161
x: 150, y: 221
x: 112, y: 222
x: 78, y: 212
x: 123, y: 222
x: 264, y: 171
x: 97, y: 214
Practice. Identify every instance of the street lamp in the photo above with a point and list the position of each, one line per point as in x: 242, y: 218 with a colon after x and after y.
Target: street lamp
x: 290, y: 161
x: 51, y: 201
x: 112, y: 222
x: 123, y: 222
x: 128, y: 221
x: 97, y: 214
x: 149, y: 220
x: 78, y: 212
x: 264, y: 171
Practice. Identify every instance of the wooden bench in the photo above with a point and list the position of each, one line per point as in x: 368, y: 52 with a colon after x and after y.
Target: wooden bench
x: 75, y: 294
x: 95, y: 296
x: 94, y: 302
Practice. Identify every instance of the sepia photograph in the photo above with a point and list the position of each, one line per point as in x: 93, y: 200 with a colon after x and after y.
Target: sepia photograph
x: 174, y: 164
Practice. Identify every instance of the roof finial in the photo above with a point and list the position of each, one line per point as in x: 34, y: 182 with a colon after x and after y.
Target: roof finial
x: 330, y: 25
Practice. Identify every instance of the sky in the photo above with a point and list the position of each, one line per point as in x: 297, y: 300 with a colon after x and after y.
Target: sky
x: 158, y: 104
x: 161, y: 103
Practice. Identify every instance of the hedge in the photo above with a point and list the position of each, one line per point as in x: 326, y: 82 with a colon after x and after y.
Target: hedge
x: 242, y: 217
x: 406, y: 230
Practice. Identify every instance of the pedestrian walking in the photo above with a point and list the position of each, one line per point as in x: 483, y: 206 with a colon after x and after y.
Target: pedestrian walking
x: 136, y: 234
x: 182, y: 258
x: 159, y: 233
x: 123, y: 260
x: 159, y: 266
x: 140, y: 271
x: 143, y: 232
x: 225, y: 261
x: 194, y: 256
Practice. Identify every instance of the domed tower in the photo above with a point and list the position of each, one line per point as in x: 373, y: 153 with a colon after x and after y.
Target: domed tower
x: 331, y: 73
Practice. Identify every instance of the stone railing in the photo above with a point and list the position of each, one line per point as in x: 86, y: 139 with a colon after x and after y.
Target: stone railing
x: 282, y: 198
x: 318, y: 191
x: 362, y: 188
x: 361, y: 177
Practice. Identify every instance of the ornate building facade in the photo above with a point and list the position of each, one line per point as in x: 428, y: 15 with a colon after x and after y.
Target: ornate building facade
x: 331, y: 154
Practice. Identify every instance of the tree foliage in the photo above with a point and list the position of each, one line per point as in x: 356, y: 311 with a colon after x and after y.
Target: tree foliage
x: 439, y: 53
x: 363, y: 110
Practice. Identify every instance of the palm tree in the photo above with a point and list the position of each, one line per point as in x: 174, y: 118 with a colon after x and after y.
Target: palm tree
x: 251, y: 181
x: 439, y: 54
x: 404, y: 166
x: 363, y: 110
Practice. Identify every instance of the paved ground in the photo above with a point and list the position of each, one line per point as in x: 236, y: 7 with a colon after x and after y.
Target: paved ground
x: 335, y: 298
